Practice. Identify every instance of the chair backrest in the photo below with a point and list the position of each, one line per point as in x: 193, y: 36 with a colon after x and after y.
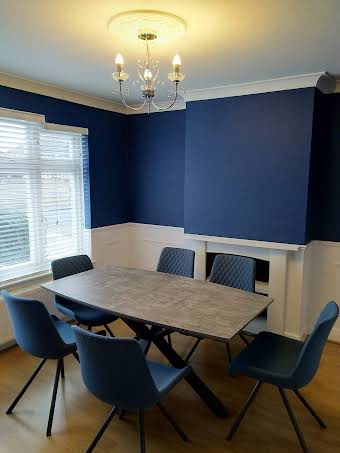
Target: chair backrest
x: 33, y: 327
x: 115, y: 370
x: 235, y: 271
x: 177, y: 261
x: 70, y: 265
x: 309, y: 359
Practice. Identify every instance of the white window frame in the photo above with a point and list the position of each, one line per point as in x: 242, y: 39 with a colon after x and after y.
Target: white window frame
x: 43, y: 168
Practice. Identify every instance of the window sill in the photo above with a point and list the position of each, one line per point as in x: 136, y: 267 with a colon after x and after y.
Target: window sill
x: 24, y: 281
x: 28, y: 280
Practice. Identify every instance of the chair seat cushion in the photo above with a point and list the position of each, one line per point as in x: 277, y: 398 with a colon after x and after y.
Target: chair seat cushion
x: 166, y: 377
x: 66, y: 333
x: 257, y: 325
x: 269, y: 358
x: 84, y: 314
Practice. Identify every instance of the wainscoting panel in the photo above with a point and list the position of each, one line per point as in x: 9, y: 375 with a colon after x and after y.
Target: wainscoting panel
x: 323, y: 281
x: 147, y: 242
x: 306, y: 280
x: 110, y: 245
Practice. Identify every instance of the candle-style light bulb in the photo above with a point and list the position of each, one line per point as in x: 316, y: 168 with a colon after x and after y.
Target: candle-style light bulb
x: 147, y: 75
x: 176, y: 62
x: 119, y: 60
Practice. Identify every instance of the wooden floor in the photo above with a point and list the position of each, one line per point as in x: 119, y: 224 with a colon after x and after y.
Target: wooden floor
x: 78, y: 415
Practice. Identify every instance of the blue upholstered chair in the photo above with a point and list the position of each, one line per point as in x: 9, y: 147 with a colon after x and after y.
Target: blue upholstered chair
x: 236, y: 272
x: 115, y: 371
x: 82, y: 313
x: 41, y: 335
x: 175, y: 261
x: 285, y: 363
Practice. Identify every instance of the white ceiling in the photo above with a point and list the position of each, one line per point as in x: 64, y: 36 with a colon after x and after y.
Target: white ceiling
x: 66, y: 42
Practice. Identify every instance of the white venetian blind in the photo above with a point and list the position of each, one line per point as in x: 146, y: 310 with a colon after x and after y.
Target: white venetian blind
x: 41, y: 197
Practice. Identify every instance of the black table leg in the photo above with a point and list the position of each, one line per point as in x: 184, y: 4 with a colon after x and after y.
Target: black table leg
x: 176, y: 360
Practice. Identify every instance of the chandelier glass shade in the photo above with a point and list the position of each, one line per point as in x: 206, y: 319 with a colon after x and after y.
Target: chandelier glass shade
x: 148, y: 26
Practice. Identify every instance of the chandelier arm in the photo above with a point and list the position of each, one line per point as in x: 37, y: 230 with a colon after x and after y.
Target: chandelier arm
x: 162, y: 109
x: 140, y: 75
x: 127, y: 105
x: 155, y: 78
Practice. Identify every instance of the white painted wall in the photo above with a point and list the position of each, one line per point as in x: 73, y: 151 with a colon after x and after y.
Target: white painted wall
x: 323, y: 281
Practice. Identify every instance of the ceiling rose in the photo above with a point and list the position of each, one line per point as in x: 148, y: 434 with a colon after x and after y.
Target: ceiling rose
x: 165, y: 26
x: 148, y: 27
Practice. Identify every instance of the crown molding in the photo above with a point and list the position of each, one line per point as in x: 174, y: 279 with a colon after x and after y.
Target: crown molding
x: 14, y: 81
x: 322, y: 80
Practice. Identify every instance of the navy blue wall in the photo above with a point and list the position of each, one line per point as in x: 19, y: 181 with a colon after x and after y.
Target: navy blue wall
x: 325, y: 187
x: 156, y: 149
x: 107, y: 152
x: 257, y: 167
x: 247, y: 166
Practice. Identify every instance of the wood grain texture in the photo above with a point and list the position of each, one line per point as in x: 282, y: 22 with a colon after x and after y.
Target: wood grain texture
x: 266, y: 428
x: 186, y: 305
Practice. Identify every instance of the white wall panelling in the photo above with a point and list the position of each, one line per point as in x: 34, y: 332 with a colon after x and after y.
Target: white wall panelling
x: 302, y: 280
x: 111, y: 245
x: 323, y: 281
x: 147, y: 241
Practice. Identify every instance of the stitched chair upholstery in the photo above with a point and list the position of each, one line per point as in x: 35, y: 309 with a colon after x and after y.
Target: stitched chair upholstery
x: 238, y: 272
x: 286, y: 364
x: 70, y: 266
x: 82, y: 313
x: 116, y: 371
x: 177, y: 261
x: 234, y: 271
x: 41, y: 335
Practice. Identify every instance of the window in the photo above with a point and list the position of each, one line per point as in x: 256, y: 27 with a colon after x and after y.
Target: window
x: 41, y: 196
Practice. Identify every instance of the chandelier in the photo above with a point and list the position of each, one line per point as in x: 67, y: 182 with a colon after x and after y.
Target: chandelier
x: 148, y: 26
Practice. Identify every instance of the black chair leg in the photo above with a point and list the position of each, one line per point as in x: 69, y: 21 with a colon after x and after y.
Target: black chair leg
x: 25, y: 387
x: 54, y: 395
x: 172, y: 422
x: 109, y: 330
x: 250, y: 399
x: 101, y: 430
x: 293, y: 420
x: 227, y: 345
x: 169, y: 339
x: 76, y: 356
x: 141, y: 431
x: 193, y: 349
x: 310, y: 409
x: 62, y: 369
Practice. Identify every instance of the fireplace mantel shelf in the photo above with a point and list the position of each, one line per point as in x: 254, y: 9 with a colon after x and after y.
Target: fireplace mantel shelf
x: 246, y: 242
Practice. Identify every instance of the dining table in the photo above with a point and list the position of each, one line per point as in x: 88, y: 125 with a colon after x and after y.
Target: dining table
x: 151, y: 302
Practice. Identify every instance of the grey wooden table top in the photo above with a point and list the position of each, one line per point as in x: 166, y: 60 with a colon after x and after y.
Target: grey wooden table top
x: 193, y: 307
